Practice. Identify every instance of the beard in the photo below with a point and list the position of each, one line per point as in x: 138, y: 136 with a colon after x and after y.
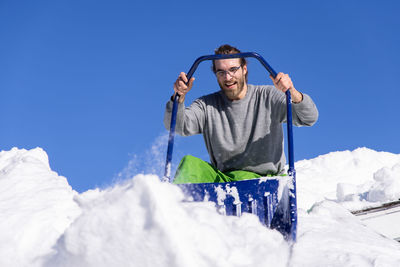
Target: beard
x: 233, y: 87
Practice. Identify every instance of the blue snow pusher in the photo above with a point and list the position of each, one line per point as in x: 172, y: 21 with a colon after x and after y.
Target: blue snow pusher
x: 272, y: 199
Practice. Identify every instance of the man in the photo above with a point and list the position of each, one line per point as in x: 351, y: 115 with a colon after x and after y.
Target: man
x: 241, y: 124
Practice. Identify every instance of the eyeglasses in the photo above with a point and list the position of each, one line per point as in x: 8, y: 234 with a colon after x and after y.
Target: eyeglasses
x: 231, y: 71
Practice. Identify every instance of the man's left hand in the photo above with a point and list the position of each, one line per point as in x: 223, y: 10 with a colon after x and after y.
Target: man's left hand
x: 283, y: 83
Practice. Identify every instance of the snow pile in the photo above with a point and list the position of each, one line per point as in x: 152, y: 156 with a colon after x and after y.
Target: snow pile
x: 386, y: 186
x: 36, y: 206
x: 143, y: 222
x: 359, y: 179
x: 330, y: 236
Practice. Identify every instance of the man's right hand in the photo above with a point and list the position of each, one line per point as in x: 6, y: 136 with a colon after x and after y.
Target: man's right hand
x: 181, y: 88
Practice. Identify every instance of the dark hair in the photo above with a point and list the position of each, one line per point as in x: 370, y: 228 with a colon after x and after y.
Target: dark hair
x: 228, y: 49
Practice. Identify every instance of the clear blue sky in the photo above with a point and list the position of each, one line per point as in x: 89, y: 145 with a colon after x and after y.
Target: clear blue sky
x: 88, y: 80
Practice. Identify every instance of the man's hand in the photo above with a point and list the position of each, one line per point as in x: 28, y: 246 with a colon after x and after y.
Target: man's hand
x: 283, y: 83
x: 181, y: 88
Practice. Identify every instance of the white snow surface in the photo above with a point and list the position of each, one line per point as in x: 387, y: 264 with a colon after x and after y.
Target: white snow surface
x: 143, y: 222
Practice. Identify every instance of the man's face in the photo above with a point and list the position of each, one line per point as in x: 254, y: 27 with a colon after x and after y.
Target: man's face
x: 231, y: 77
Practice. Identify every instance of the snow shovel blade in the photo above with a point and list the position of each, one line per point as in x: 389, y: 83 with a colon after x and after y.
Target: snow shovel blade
x: 256, y: 196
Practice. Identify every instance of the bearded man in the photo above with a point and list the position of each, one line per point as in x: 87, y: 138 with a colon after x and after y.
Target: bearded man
x: 241, y: 124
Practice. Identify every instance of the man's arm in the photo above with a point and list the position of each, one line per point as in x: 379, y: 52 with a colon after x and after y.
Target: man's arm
x: 305, y: 112
x: 189, y: 120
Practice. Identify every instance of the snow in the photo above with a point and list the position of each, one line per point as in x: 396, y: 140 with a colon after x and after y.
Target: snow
x: 143, y: 222
x: 36, y: 206
x: 354, y: 178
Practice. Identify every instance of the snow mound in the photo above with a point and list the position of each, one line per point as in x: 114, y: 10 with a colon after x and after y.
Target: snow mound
x: 386, y: 186
x: 331, y: 236
x: 143, y: 222
x: 359, y: 178
x: 36, y: 206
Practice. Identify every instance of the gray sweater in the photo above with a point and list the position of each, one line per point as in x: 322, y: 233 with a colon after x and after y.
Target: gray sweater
x: 244, y: 134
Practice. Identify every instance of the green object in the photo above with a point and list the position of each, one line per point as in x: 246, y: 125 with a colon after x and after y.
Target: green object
x: 194, y: 170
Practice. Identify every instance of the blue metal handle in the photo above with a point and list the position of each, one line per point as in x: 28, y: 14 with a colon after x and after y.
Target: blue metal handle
x: 291, y: 171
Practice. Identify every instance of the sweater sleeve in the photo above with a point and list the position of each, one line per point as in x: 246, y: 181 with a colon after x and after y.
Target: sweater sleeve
x: 189, y: 120
x: 304, y: 113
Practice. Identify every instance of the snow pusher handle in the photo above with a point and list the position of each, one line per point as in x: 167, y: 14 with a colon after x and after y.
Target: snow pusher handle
x: 291, y: 171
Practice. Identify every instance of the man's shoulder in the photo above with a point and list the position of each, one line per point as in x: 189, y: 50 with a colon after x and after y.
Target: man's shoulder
x: 205, y: 101
x: 262, y: 90
x: 210, y: 97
